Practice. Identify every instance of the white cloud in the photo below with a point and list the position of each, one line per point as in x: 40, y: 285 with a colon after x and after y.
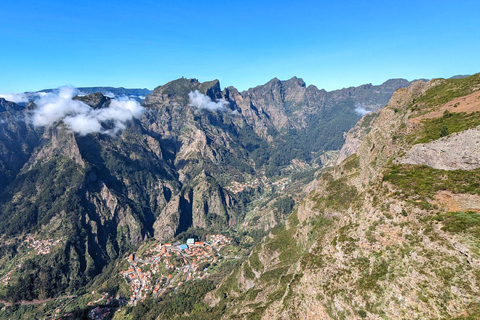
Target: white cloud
x: 361, y: 110
x: 83, y: 124
x: 55, y: 106
x: 80, y: 117
x: 201, y: 101
x: 109, y: 94
x: 15, y: 97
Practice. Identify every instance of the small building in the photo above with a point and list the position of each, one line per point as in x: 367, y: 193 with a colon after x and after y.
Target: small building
x: 190, y: 241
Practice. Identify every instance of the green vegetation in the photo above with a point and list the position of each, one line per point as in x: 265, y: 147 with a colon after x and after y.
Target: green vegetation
x: 187, y: 301
x: 247, y: 271
x: 324, y: 132
x: 255, y: 262
x: 307, y: 175
x: 339, y: 195
x: 351, y: 163
x: 368, y: 280
x: 273, y: 275
x: 449, y: 123
x: 45, y: 190
x: 460, y: 222
x: 285, y: 244
x: 368, y: 120
x: 284, y: 205
x: 448, y: 90
x: 419, y: 183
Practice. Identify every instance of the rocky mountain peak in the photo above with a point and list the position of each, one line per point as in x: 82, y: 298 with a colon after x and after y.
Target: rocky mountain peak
x: 8, y: 105
x: 295, y: 81
x: 95, y: 100
x: 176, y: 92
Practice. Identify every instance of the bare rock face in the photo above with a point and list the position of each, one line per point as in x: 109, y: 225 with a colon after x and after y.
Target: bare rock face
x: 60, y: 142
x: 355, y: 136
x: 203, y: 205
x: 95, y: 100
x: 458, y: 151
x: 166, y: 224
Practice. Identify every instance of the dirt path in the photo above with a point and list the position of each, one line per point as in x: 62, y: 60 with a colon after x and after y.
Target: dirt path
x: 469, y: 103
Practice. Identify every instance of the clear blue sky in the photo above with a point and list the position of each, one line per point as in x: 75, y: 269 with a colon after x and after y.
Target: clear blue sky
x: 331, y: 44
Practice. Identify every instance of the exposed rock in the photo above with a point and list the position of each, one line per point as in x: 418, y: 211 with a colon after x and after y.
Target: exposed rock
x: 457, y: 151
x: 458, y: 202
x: 58, y: 141
x: 355, y: 136
x: 176, y: 92
x: 95, y: 100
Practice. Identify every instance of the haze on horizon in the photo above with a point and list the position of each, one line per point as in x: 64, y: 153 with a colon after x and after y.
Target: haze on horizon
x: 331, y: 45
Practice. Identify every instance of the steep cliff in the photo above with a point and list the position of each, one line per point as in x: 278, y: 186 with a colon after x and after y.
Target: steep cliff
x: 387, y: 233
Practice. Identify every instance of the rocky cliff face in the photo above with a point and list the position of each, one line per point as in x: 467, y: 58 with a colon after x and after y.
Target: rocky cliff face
x: 458, y: 151
x: 377, y: 239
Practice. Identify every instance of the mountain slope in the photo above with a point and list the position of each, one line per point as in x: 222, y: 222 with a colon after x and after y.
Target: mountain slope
x: 387, y: 233
x: 168, y: 172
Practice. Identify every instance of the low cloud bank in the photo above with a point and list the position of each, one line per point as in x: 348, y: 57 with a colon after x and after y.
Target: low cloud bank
x: 80, y: 117
x: 15, y: 97
x: 201, y: 101
x: 361, y: 110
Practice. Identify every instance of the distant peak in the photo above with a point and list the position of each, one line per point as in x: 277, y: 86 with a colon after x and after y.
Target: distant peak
x: 298, y: 81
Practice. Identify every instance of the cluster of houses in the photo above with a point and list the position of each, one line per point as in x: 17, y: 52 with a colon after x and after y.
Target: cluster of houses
x: 169, y: 265
x: 99, y: 313
x: 282, y: 183
x: 40, y: 246
x: 238, y: 187
x: 6, y: 278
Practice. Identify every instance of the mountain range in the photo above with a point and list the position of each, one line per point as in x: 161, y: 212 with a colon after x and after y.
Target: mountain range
x: 171, y: 170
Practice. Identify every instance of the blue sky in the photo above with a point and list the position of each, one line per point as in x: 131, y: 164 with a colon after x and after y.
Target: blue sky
x: 331, y: 44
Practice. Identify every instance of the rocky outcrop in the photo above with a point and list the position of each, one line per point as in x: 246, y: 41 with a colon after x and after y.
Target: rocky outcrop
x: 95, y: 100
x: 355, y: 136
x: 457, y: 151
x: 59, y: 141
x: 176, y: 92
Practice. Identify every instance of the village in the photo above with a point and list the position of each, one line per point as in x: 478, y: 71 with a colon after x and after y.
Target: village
x: 40, y: 246
x: 237, y: 187
x: 169, y: 265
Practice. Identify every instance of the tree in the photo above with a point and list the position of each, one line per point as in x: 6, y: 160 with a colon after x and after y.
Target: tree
x: 444, y: 131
